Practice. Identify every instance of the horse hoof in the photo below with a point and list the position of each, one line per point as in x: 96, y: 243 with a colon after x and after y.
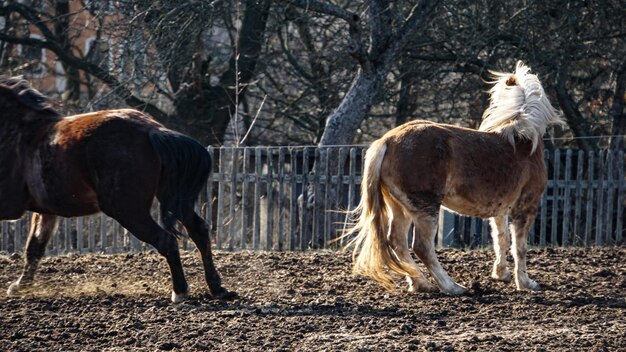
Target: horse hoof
x: 424, y: 287
x: 531, y: 285
x: 224, y: 294
x: 456, y: 290
x: 179, y: 297
x: 505, y: 277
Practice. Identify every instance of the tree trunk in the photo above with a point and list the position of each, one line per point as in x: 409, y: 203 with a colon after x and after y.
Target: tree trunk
x: 344, y: 122
x: 212, y: 107
x: 386, y: 46
x: 71, y: 96
x: 575, y: 120
x: 407, y: 100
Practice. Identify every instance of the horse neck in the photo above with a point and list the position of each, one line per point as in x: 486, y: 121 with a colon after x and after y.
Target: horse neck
x: 523, y: 148
x: 30, y: 130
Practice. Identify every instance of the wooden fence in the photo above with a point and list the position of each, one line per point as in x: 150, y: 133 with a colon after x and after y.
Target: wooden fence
x: 295, y: 198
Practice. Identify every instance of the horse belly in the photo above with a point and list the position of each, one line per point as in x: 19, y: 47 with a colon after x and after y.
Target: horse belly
x: 479, y: 205
x: 68, y: 204
x: 55, y: 191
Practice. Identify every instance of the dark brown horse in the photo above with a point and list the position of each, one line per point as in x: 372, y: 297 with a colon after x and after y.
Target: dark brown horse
x: 114, y: 161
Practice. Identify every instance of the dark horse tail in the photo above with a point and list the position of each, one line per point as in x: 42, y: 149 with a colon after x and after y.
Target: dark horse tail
x: 186, y: 166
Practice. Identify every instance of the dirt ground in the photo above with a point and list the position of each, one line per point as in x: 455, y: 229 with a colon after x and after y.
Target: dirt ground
x: 310, y: 302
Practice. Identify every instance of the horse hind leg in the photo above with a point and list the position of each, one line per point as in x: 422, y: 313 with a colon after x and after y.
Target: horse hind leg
x: 143, y: 226
x: 501, y: 244
x: 519, y: 228
x: 397, y: 237
x: 199, y: 232
x: 425, y: 228
x: 42, y: 227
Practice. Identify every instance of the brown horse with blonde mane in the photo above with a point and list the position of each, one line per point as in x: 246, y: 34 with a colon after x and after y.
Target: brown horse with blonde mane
x: 114, y: 161
x: 495, y: 172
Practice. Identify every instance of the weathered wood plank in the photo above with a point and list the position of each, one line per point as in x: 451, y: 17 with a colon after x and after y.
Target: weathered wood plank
x: 567, y: 201
x: 208, y: 215
x: 220, y: 198
x: 619, y: 225
x: 293, y: 204
x: 245, y: 201
x: 281, y: 198
x: 258, y: 169
x: 556, y: 176
x: 232, y: 220
x: 576, y: 231
x: 269, y: 231
x: 544, y: 208
x: 610, y: 181
x: 600, y: 239
x: 589, y: 199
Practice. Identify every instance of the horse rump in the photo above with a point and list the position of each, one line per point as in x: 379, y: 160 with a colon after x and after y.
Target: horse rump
x: 185, y: 169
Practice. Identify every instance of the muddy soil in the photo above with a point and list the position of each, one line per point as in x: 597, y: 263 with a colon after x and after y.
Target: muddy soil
x: 310, y: 302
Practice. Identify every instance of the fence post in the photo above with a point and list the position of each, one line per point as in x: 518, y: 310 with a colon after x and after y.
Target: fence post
x: 600, y: 199
x: 576, y: 232
x: 589, y: 199
x: 620, y: 199
x: 567, y: 202
x: 208, y: 216
x: 293, y: 203
x: 245, y: 206
x: 269, y: 199
x: 281, y: 198
x: 232, y: 221
x: 610, y: 182
x: 220, y: 199
x: 555, y: 197
x: 258, y: 169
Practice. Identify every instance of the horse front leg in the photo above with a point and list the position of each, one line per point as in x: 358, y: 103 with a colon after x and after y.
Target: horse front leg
x: 519, y: 228
x: 42, y: 227
x: 501, y: 244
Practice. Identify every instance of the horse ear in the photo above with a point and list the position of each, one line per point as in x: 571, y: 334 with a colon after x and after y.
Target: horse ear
x: 32, y: 98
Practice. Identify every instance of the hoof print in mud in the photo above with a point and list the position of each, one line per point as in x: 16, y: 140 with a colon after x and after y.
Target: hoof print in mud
x: 325, y: 309
x: 226, y: 295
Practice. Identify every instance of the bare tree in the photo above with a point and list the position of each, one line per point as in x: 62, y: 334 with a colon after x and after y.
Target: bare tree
x: 172, y: 33
x: 330, y: 72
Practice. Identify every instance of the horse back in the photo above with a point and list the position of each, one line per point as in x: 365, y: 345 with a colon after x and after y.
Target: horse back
x: 471, y: 172
x: 85, y: 154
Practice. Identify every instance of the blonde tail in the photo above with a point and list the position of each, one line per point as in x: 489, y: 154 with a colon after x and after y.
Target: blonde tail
x: 372, y: 254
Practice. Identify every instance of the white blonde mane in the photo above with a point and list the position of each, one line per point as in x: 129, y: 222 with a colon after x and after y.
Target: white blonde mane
x: 519, y: 107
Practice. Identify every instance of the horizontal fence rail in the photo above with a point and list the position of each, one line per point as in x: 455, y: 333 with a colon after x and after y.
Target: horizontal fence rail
x: 297, y: 198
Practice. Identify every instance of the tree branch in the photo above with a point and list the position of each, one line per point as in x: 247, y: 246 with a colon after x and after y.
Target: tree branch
x: 419, y: 13
x: 574, y: 119
x: 380, y: 27
x: 52, y: 43
x: 356, y: 49
x: 327, y: 9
